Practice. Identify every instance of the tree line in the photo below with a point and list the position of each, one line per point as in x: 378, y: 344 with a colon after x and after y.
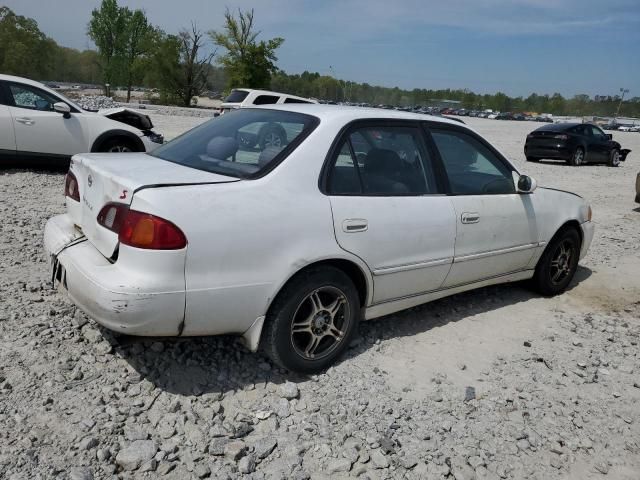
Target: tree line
x: 130, y: 51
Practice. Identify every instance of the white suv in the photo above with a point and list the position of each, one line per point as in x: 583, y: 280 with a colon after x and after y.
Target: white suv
x: 245, y: 97
x: 38, y: 123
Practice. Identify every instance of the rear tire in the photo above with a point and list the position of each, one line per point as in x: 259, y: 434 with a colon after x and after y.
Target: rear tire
x: 614, y: 158
x: 117, y: 145
x: 577, y: 158
x: 558, y: 263
x: 312, y: 320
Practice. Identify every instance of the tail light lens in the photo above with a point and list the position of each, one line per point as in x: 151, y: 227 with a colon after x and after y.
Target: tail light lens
x: 561, y: 137
x: 71, y: 189
x: 141, y: 230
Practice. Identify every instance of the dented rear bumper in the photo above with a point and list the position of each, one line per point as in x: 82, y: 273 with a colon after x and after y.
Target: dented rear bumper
x: 142, y: 293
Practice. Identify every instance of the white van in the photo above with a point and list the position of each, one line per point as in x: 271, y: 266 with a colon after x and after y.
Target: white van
x: 246, y: 97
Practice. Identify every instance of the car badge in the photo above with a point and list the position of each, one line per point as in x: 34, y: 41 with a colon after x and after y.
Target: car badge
x: 90, y: 180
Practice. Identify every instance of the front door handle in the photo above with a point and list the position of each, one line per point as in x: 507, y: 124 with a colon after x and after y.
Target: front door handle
x: 470, y: 217
x: 25, y: 120
x: 352, y: 225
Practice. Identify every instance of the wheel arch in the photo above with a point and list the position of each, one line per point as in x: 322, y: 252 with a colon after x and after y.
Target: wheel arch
x: 356, y: 272
x: 113, y: 134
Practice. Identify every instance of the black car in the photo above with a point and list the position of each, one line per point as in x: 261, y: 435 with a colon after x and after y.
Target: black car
x: 575, y: 143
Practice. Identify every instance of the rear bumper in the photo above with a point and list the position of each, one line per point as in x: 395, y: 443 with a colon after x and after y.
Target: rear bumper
x: 561, y: 152
x: 146, y: 297
x: 588, y: 229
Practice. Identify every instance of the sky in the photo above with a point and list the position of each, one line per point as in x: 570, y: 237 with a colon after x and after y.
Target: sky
x: 513, y: 46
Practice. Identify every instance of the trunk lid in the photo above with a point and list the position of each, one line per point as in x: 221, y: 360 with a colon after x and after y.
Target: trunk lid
x: 109, y: 177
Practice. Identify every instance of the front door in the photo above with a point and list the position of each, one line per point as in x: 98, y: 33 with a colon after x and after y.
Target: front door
x: 496, y: 230
x: 38, y: 129
x: 599, y: 148
x: 388, y: 209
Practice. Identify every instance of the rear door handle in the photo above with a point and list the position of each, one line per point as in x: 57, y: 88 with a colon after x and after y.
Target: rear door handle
x: 470, y: 217
x: 352, y: 225
x: 25, y: 120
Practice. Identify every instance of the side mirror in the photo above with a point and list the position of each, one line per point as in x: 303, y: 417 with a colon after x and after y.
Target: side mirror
x: 62, y: 108
x: 609, y: 136
x: 526, y: 184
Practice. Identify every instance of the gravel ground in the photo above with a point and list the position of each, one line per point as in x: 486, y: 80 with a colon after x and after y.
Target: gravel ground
x: 496, y: 383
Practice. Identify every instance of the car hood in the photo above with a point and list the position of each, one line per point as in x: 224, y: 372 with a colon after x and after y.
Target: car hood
x: 128, y: 116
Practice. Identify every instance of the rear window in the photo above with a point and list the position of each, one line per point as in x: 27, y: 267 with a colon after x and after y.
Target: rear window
x: 236, y: 96
x: 243, y: 143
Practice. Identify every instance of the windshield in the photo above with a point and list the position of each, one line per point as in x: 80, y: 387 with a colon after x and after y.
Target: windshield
x: 243, y: 143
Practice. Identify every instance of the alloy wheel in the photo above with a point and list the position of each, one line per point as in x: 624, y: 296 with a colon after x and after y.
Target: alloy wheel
x: 119, y: 149
x: 615, y: 158
x: 320, y: 323
x: 578, y: 157
x: 562, y: 262
x: 272, y: 139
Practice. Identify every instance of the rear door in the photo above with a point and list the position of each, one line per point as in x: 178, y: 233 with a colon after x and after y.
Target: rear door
x: 38, y: 129
x: 7, y: 135
x: 496, y: 230
x: 389, y: 210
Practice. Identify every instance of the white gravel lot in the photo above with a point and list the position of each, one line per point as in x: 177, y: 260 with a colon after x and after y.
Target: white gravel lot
x: 496, y: 383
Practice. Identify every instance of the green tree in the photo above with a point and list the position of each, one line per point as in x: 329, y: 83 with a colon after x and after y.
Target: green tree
x: 107, y: 29
x: 24, y: 49
x: 138, y: 38
x: 247, y: 62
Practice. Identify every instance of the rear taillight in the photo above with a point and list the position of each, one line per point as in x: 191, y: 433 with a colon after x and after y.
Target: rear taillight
x: 71, y: 187
x: 112, y: 215
x: 561, y: 137
x: 141, y: 230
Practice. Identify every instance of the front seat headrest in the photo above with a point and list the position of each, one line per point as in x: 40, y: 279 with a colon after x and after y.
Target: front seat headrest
x: 222, y: 148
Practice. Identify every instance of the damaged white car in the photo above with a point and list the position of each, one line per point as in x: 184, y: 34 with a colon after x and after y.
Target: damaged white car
x: 357, y: 214
x: 38, y: 124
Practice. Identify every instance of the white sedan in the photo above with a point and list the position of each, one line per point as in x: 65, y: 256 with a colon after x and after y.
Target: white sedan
x: 359, y: 214
x: 39, y: 124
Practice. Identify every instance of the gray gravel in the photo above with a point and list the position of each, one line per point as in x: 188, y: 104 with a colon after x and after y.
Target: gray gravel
x: 78, y: 402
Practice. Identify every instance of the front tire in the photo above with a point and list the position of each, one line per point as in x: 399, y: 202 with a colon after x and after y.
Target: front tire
x: 614, y: 158
x: 312, y: 320
x: 558, y: 263
x: 117, y: 145
x: 577, y: 158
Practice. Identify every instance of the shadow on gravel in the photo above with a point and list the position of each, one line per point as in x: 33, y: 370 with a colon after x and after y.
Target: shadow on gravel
x: 209, y: 365
x: 452, y: 309
x: 562, y: 163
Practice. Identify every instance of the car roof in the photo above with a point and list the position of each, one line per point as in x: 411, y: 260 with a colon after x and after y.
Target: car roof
x: 560, y: 127
x: 347, y: 114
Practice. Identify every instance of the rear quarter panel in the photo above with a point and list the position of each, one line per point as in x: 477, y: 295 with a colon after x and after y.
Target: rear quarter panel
x: 246, y: 239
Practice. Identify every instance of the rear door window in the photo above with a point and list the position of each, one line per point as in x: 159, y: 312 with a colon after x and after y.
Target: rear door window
x: 388, y: 161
